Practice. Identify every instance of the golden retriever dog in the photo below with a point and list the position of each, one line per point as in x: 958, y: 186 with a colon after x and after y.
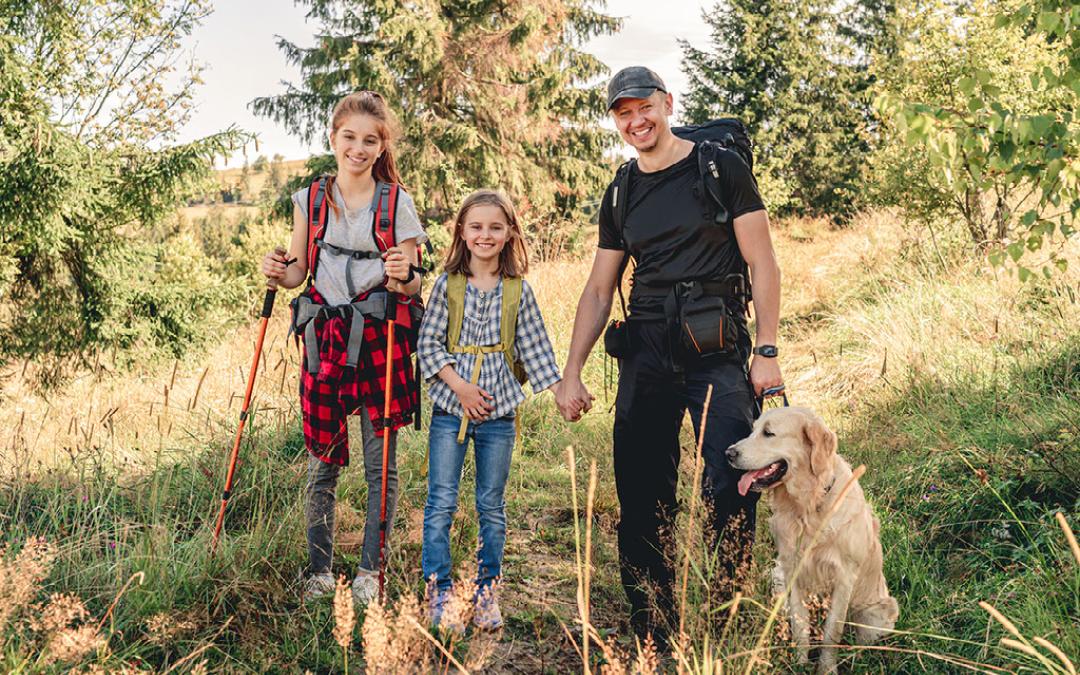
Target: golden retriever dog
x: 791, y: 455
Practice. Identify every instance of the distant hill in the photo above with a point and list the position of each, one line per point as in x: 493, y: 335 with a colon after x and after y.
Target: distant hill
x: 243, y: 186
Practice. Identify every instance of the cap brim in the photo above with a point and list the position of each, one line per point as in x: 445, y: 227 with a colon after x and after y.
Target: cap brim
x: 632, y: 92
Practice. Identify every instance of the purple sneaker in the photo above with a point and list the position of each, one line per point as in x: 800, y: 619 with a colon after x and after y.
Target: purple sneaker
x: 487, y: 615
x: 444, y: 612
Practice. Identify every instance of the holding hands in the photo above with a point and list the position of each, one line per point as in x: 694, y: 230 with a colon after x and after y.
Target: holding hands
x: 573, y: 398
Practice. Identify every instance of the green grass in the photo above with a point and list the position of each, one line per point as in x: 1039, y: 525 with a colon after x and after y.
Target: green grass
x: 957, y: 389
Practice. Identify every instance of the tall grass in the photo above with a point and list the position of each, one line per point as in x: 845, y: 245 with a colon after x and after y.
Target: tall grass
x: 955, y: 385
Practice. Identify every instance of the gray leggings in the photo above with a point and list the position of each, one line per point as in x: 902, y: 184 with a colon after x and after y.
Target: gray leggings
x: 322, y: 497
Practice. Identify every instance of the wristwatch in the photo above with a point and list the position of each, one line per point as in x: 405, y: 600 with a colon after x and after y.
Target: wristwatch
x: 768, y: 351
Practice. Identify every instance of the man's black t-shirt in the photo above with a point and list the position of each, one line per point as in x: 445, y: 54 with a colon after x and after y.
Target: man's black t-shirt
x: 666, y: 231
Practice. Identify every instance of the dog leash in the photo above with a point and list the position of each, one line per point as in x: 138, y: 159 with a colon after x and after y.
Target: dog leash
x: 759, y: 401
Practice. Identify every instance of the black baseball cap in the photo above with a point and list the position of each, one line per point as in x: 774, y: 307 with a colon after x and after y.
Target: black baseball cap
x: 633, y: 82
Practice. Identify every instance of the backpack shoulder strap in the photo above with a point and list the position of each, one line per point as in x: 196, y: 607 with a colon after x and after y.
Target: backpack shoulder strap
x: 382, y: 225
x: 455, y: 302
x: 708, y: 156
x: 620, y: 198
x: 316, y: 214
x: 511, y: 302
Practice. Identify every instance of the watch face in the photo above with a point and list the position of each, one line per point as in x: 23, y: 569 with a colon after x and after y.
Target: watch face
x: 767, y: 350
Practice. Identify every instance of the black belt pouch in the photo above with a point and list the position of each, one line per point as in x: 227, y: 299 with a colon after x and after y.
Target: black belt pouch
x: 707, y: 326
x: 617, y: 339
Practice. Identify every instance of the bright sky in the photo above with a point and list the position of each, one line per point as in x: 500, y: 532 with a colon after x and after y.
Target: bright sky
x: 238, y: 43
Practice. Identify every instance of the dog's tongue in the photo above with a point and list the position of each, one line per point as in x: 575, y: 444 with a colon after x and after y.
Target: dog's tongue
x: 748, y: 479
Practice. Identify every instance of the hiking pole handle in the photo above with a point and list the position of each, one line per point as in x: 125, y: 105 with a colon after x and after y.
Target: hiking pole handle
x: 272, y: 286
x: 271, y: 283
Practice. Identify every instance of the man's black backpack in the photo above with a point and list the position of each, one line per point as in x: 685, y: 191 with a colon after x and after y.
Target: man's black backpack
x: 727, y: 134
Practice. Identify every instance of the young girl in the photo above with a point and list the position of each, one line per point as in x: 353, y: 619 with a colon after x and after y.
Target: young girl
x: 342, y: 377
x: 489, y: 250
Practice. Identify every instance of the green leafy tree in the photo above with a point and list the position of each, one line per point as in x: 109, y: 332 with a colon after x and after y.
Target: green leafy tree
x: 980, y: 120
x: 82, y: 101
x: 787, y: 71
x: 491, y: 92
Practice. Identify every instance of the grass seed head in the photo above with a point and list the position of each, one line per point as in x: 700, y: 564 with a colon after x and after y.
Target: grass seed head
x: 344, y: 617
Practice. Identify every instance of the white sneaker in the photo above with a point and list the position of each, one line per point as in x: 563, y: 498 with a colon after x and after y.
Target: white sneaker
x: 365, y: 588
x: 319, y: 586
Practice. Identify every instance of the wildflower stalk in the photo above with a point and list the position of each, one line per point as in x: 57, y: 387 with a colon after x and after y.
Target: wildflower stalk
x: 1069, y: 535
x: 141, y: 577
x: 1058, y: 653
x: 586, y: 625
x: 583, y: 609
x: 693, y: 512
x: 344, y: 617
x: 1021, y: 643
x: 435, y: 642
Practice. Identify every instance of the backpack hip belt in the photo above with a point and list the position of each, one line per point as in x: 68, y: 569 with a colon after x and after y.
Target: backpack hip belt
x: 734, y: 286
x: 479, y: 352
x: 305, y: 311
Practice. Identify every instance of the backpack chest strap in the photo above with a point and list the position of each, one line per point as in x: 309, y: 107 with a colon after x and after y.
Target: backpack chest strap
x: 351, y: 254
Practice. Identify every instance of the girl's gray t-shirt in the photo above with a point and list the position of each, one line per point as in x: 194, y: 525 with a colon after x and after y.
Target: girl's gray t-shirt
x: 352, y: 230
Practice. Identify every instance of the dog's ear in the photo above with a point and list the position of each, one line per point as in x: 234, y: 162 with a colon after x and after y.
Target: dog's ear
x: 821, y: 441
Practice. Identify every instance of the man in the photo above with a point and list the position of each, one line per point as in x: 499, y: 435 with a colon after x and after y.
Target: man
x: 667, y: 232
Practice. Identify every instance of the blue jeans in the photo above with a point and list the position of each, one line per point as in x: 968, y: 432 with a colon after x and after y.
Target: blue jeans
x: 493, y: 443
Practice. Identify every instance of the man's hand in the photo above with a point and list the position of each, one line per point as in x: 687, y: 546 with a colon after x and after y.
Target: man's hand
x: 573, y: 399
x: 765, y: 374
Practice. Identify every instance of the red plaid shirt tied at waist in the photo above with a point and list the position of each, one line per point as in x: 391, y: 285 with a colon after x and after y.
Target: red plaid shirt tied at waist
x: 344, y: 365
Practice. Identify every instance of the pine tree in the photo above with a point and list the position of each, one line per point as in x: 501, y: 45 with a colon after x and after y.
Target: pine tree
x: 785, y: 70
x: 81, y: 100
x: 490, y: 93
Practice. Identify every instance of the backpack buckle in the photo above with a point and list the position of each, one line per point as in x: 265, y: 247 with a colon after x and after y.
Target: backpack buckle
x: 683, y: 289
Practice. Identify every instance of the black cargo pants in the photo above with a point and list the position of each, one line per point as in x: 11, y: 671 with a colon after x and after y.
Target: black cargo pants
x: 649, y: 407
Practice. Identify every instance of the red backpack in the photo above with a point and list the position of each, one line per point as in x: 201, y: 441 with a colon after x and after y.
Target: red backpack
x: 406, y: 312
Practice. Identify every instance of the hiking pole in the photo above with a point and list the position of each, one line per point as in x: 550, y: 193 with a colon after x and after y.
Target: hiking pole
x: 385, y: 455
x: 268, y: 305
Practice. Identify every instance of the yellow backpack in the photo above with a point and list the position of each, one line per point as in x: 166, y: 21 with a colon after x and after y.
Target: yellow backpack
x: 511, y: 300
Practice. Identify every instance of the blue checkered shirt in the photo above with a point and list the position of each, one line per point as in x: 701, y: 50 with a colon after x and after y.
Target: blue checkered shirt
x: 483, y: 312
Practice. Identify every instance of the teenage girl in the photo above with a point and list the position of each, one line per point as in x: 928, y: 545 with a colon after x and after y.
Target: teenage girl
x: 488, y: 248
x: 362, y: 132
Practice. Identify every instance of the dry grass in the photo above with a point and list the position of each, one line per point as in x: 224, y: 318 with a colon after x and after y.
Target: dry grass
x: 842, y: 287
x: 130, y: 419
x: 43, y: 632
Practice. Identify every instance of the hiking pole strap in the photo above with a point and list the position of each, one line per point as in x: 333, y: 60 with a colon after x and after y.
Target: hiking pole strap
x: 479, y: 351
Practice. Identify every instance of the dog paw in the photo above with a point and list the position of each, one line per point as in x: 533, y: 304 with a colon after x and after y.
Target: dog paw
x: 826, y: 664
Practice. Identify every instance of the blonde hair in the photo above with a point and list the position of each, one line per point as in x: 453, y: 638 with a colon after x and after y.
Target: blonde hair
x: 513, y: 258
